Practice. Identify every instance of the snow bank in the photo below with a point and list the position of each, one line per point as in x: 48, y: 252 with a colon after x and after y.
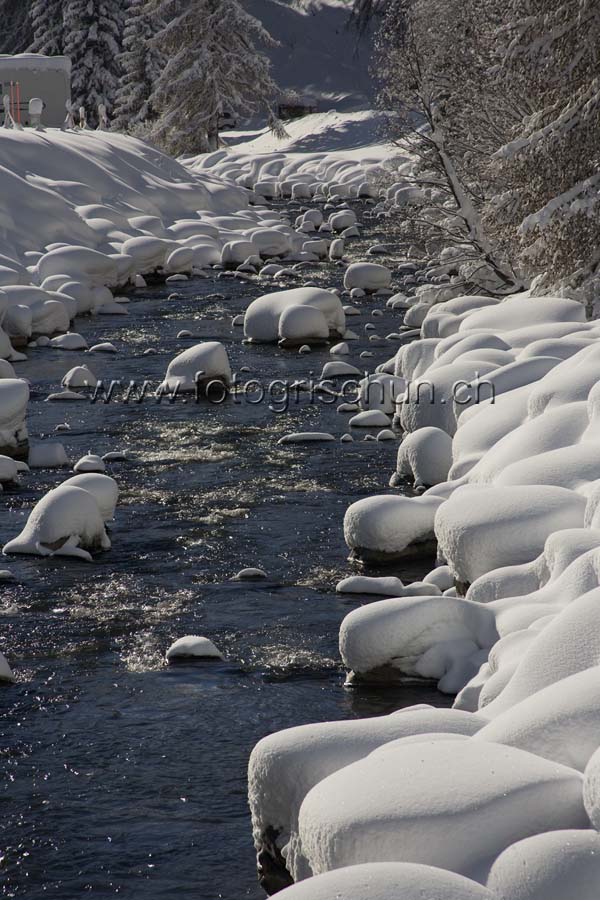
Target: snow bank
x: 514, y: 509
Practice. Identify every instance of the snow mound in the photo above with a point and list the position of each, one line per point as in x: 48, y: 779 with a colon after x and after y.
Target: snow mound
x: 425, y: 456
x: 91, y: 462
x: 48, y: 455
x: 476, y: 530
x: 78, y: 377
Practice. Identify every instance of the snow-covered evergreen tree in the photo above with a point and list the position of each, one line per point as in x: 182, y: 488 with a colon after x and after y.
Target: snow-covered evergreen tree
x: 47, y: 22
x: 213, y: 66
x: 93, y: 30
x: 15, y: 30
x: 141, y: 63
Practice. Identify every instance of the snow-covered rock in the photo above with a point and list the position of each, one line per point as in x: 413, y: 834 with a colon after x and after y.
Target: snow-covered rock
x: 550, y: 866
x: 425, y: 456
x: 299, y: 324
x: 66, y: 522
x: 388, y: 881
x: 433, y: 803
x: 103, y: 488
x: 369, y: 277
x: 14, y: 397
x: 386, y: 527
x: 78, y: 377
x: 91, y: 462
x: 192, y: 647
x: 261, y: 322
x: 47, y: 455
x: 197, y: 366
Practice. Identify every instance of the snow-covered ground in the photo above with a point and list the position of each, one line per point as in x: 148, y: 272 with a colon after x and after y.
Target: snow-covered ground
x: 499, y: 403
x: 319, y: 53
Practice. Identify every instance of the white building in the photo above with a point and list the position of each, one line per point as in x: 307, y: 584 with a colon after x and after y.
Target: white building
x: 30, y: 75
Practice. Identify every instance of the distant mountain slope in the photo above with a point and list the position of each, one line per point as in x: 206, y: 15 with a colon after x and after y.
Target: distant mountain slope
x: 320, y: 54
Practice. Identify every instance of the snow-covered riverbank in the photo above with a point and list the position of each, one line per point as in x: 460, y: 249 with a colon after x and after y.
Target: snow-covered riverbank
x: 498, y: 403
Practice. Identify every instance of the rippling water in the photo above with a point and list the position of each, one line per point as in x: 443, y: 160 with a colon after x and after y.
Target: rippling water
x: 122, y: 776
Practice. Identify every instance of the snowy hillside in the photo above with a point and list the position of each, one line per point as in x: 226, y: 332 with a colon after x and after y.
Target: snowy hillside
x: 319, y: 54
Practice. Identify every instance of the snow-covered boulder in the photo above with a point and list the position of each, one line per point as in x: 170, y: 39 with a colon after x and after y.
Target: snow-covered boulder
x: 14, y: 397
x: 261, y: 322
x: 388, y: 881
x: 386, y: 528
x: 381, y: 391
x: 102, y: 487
x: 339, y: 221
x: 91, y: 462
x: 269, y: 242
x: 195, y: 367
x: 439, y: 637
x: 78, y: 377
x: 560, y: 722
x: 434, y: 803
x: 234, y: 253
x: 370, y: 277
x: 66, y: 522
x: 302, y: 324
x: 192, y: 647
x: 148, y: 252
x: 286, y: 765
x: 550, y: 866
x: 70, y: 341
x: 47, y: 455
x: 80, y: 263
x: 425, y: 456
x: 480, y: 528
x: 9, y: 469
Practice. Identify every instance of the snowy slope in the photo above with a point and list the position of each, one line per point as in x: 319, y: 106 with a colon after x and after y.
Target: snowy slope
x: 318, y: 53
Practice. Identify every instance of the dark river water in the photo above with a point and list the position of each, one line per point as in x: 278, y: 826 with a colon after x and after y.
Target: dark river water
x: 122, y: 776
